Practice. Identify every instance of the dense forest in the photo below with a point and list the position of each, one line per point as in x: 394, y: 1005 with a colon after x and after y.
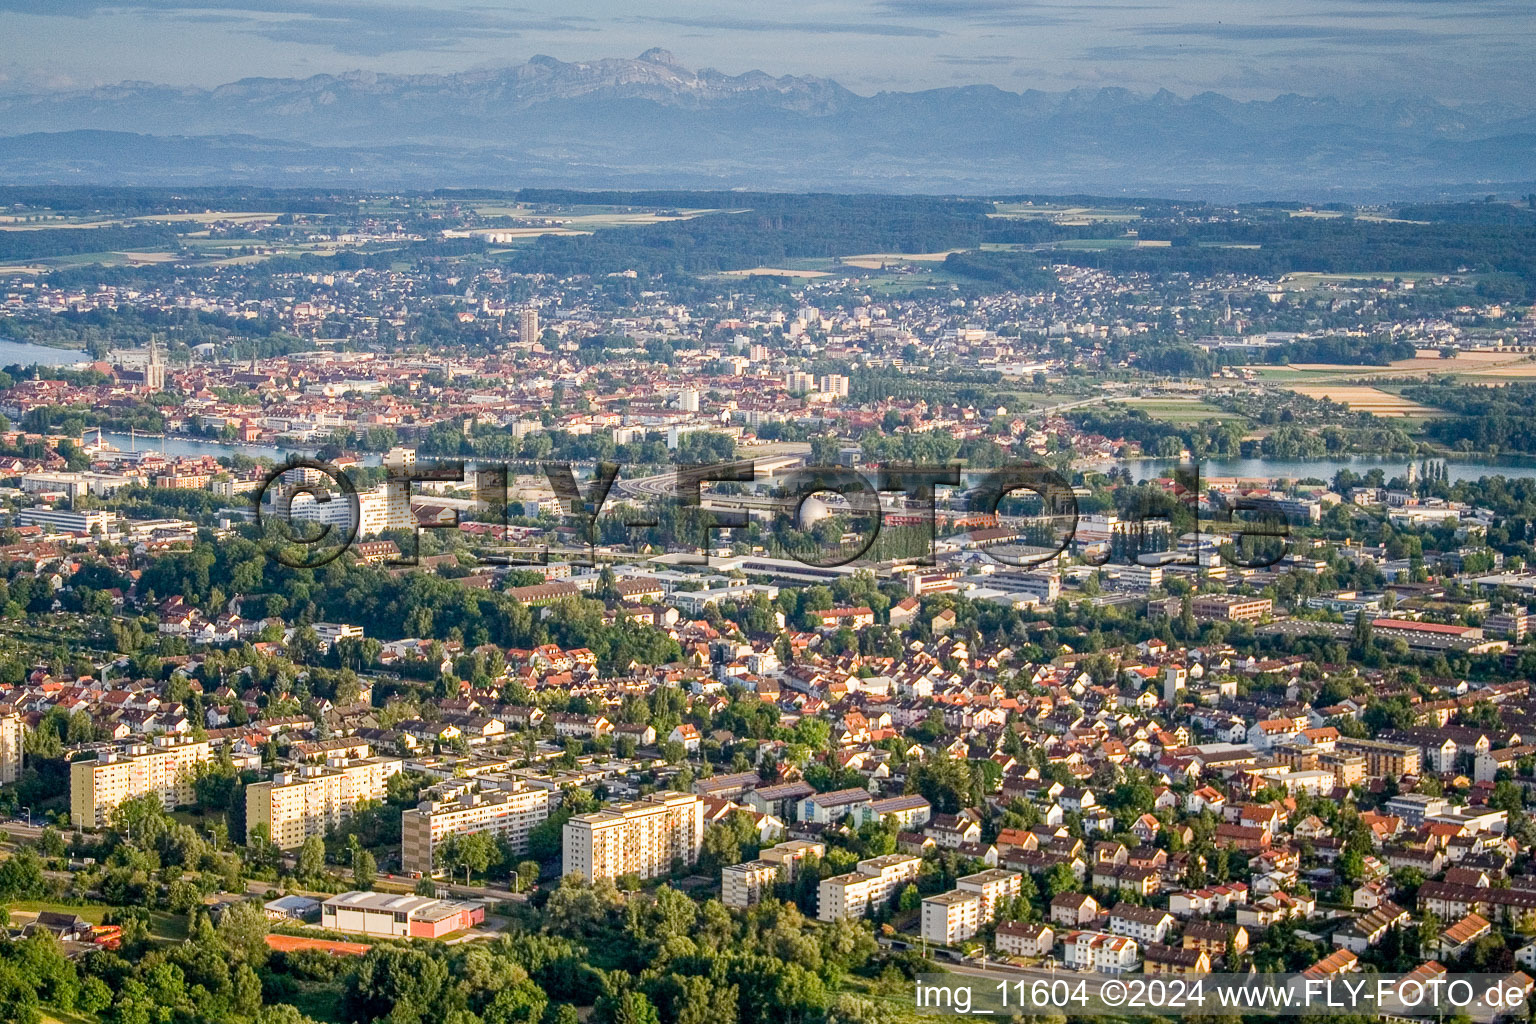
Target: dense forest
x: 1493, y: 418
x: 775, y: 228
x: 47, y: 242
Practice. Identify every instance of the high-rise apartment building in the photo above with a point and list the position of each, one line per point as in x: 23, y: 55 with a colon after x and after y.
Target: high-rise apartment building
x: 528, y: 325
x: 508, y: 809
x: 165, y: 768
x: 641, y: 838
x: 385, y: 507
x: 315, y: 798
x: 12, y: 734
x: 833, y: 384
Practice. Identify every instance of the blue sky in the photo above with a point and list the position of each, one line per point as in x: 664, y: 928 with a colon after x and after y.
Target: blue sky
x: 1453, y: 50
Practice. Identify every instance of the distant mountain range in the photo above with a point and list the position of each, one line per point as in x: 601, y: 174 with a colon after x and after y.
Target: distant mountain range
x: 649, y: 122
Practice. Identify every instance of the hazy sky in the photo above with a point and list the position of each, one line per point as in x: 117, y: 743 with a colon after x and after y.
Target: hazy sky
x: 1454, y: 50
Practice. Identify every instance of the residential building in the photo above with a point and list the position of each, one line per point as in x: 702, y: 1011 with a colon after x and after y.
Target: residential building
x: 1100, y: 951
x: 1160, y: 959
x: 164, y: 768
x: 12, y: 734
x: 951, y: 917
x: 315, y: 799
x: 1023, y: 938
x: 744, y: 885
x: 641, y: 838
x: 871, y: 883
x: 508, y: 809
x: 829, y: 808
x: 1144, y: 924
x: 993, y: 887
x: 1383, y: 759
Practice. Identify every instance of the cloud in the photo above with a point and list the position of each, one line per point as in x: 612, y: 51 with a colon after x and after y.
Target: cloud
x: 1149, y: 51
x: 350, y: 27
x: 975, y: 60
x: 1340, y: 34
x: 814, y: 27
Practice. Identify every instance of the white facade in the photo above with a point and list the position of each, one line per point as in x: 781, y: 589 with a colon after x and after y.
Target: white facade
x: 873, y: 882
x: 951, y: 917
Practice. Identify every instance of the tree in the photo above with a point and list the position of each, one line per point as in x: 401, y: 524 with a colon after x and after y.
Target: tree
x: 1058, y: 880
x: 627, y: 1008
x: 476, y: 852
x: 364, y: 869
x: 311, y: 858
x: 403, y: 985
x: 243, y: 928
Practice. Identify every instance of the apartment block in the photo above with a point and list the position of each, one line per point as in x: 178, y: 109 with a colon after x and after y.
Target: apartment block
x: 745, y: 885
x: 1383, y: 759
x: 164, y: 768
x: 641, y: 838
x: 1229, y: 608
x: 314, y: 799
x: 385, y: 507
x: 870, y: 884
x: 951, y: 917
x: 12, y: 734
x: 992, y: 887
x: 508, y: 809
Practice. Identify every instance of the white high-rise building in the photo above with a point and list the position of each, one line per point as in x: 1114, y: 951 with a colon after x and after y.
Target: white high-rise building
x: 832, y: 384
x: 642, y: 838
x: 12, y: 735
x: 688, y: 400
x: 386, y: 507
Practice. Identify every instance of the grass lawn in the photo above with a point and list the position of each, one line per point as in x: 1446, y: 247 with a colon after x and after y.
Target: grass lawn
x: 53, y: 1015
x: 163, y: 926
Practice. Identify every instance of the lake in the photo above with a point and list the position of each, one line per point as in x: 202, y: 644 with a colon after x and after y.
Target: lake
x: 20, y: 353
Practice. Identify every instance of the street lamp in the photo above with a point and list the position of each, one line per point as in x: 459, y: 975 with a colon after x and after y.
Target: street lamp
x: 29, y: 816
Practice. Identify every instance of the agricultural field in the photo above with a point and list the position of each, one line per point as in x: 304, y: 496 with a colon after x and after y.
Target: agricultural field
x: 1065, y: 215
x: 1491, y: 365
x: 1179, y: 410
x: 774, y: 272
x: 1367, y: 399
x: 878, y: 260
